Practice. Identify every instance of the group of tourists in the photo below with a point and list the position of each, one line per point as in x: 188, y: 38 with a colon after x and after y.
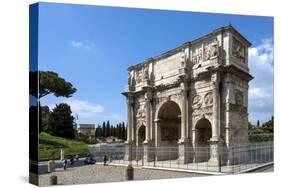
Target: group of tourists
x: 89, y: 160
x: 71, y: 160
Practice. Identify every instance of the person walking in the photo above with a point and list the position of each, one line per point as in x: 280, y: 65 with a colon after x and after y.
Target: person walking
x: 104, y: 160
x: 64, y: 164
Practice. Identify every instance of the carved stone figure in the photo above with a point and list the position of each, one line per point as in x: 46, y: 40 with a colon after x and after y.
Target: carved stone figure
x: 183, y: 58
x: 238, y: 98
x: 214, y: 48
x: 129, y: 79
x: 238, y: 49
x: 207, y: 52
x: 138, y: 76
x: 197, y: 56
x: 145, y: 73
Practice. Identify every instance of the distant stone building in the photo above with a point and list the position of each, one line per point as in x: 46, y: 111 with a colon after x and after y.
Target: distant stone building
x: 194, y: 96
x: 86, y: 132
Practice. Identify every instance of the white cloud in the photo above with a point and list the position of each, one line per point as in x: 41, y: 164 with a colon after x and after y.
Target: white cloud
x: 261, y: 56
x: 82, y: 108
x: 76, y: 44
x: 79, y: 44
x: 260, y: 93
x: 261, y: 65
x: 88, y: 112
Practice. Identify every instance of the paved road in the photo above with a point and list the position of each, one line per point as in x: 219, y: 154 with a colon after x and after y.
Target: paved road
x: 269, y: 168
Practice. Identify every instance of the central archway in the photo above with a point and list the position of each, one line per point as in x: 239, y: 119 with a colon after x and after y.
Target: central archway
x: 203, y: 134
x: 169, y: 126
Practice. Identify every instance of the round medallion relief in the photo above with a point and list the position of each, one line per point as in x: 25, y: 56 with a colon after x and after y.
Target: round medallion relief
x: 197, y: 101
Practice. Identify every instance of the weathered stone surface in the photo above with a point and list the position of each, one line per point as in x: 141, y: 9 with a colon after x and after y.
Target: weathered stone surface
x: 197, y: 91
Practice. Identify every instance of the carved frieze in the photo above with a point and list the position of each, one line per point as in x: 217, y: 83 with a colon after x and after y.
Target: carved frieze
x: 205, y: 110
x: 238, y: 50
x: 167, y: 86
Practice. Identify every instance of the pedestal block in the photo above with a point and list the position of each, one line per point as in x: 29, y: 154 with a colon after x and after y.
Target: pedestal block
x: 185, y: 151
x: 148, y: 152
x: 130, y: 152
x: 215, y: 160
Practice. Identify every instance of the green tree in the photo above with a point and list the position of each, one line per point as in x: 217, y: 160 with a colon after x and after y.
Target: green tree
x: 250, y: 126
x: 123, y: 131
x: 258, y: 123
x: 98, y: 131
x: 49, y: 83
x: 118, y: 131
x: 107, y: 129
x: 45, y: 113
x: 61, y: 121
x: 269, y: 125
x: 103, y: 129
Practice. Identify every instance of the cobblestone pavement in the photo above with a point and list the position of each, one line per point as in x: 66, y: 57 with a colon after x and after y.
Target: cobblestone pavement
x: 99, y: 173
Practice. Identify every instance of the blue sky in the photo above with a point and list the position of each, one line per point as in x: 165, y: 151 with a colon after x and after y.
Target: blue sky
x: 92, y: 47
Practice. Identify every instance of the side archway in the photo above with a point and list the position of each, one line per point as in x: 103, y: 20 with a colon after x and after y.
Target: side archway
x: 203, y: 134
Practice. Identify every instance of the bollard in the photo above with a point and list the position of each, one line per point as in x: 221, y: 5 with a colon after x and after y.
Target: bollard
x: 51, y: 166
x: 129, y: 172
x: 53, y: 180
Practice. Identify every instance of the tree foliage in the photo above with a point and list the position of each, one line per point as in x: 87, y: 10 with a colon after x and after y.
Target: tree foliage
x: 49, y: 82
x: 261, y: 133
x: 61, y: 122
x: 107, y: 130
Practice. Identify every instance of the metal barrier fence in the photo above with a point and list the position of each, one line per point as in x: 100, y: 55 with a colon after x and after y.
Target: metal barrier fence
x: 233, y: 159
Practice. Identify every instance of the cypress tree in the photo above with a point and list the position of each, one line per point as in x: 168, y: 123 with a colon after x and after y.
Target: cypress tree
x: 107, y: 134
x: 103, y: 129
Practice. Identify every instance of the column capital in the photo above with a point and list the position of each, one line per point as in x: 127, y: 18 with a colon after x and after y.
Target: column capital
x: 130, y: 99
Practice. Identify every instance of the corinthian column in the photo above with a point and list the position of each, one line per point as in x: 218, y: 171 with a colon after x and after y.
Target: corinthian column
x: 215, y: 140
x: 183, y: 141
x: 183, y: 113
x: 216, y: 107
x: 128, y: 148
x: 147, y: 143
x: 130, y: 117
x: 148, y: 116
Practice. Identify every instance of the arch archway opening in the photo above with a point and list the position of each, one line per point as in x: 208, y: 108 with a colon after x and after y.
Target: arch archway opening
x: 139, y: 143
x: 203, y: 134
x: 141, y: 135
x: 169, y: 116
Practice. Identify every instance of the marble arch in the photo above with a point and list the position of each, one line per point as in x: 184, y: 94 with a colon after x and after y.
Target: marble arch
x: 208, y: 78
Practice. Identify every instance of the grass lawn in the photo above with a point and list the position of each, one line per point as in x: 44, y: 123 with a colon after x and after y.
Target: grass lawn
x: 50, y: 146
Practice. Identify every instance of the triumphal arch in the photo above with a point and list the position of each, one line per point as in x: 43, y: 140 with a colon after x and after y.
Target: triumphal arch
x: 192, y: 97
